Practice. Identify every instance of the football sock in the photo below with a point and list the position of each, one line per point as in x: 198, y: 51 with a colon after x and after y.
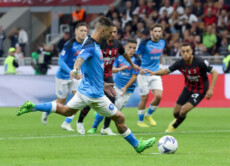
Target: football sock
x: 97, y: 120
x: 141, y: 114
x: 69, y: 119
x: 151, y: 110
x: 178, y: 121
x: 128, y: 135
x: 106, y: 122
x: 46, y: 107
x: 83, y: 114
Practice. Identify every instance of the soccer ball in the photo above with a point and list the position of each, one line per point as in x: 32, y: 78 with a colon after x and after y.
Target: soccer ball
x: 167, y: 144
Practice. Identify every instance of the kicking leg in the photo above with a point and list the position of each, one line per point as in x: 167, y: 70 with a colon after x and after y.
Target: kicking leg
x: 139, y: 146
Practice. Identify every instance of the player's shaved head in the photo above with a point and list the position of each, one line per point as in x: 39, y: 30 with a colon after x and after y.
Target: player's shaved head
x: 104, y: 22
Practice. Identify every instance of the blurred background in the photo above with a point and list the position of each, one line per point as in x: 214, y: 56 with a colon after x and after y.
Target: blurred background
x: 37, y: 30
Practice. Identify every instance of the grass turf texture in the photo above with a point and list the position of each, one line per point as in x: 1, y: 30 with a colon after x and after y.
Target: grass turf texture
x: 203, y: 140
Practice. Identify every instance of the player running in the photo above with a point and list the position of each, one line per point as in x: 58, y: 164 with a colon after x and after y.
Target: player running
x: 66, y: 61
x: 150, y: 50
x: 91, y: 90
x: 197, y: 87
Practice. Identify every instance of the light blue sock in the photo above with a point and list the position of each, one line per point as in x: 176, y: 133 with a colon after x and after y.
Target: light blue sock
x: 141, y: 114
x: 69, y: 119
x: 128, y: 135
x: 44, y: 107
x: 97, y: 120
x: 151, y: 110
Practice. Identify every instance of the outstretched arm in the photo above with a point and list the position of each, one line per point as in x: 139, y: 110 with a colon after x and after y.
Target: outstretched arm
x: 115, y: 69
x: 160, y: 72
x: 131, y: 81
x: 134, y: 66
x: 209, y: 93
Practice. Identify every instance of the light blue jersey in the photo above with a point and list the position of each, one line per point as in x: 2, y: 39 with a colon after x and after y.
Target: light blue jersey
x: 150, y: 54
x: 92, y: 69
x: 67, y: 58
x: 122, y: 78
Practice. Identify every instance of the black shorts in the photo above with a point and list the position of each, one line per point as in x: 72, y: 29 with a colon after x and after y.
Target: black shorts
x: 109, y: 80
x: 191, y: 97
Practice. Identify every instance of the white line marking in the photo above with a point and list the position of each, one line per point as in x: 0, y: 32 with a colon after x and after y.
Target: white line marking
x: 99, y: 135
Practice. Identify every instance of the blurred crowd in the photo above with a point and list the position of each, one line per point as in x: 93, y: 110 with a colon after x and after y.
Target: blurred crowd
x: 203, y: 23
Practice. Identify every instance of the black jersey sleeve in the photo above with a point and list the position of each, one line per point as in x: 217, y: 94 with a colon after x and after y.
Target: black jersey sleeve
x: 175, y: 66
x: 204, y: 64
x: 121, y: 49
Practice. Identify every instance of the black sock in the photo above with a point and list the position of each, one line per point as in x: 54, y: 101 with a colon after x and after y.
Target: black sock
x: 106, y: 122
x: 83, y: 114
x: 178, y: 121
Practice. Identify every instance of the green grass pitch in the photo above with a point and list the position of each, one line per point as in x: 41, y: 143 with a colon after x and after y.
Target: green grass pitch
x: 203, y: 140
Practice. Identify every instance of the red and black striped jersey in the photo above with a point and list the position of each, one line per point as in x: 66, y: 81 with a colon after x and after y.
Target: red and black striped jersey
x: 196, y: 79
x: 110, y: 53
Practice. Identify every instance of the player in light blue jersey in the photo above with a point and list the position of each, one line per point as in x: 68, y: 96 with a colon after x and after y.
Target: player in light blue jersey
x: 150, y: 50
x: 66, y: 61
x: 125, y: 77
x: 91, y: 89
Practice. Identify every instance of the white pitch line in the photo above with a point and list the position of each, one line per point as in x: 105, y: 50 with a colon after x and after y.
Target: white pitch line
x: 99, y: 135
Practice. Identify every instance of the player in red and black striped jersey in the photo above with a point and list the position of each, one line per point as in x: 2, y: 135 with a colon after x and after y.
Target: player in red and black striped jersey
x: 197, y: 87
x: 111, y: 48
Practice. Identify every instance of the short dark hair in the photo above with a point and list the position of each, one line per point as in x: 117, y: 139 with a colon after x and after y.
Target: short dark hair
x: 157, y: 26
x: 184, y: 44
x: 131, y: 41
x: 78, y: 5
x: 81, y: 24
x: 104, y: 21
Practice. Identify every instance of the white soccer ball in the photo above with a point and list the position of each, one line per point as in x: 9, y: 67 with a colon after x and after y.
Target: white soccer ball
x: 167, y: 144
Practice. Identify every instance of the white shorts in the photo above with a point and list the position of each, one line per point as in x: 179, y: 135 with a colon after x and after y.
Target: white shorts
x: 103, y: 106
x: 121, y: 100
x: 63, y: 86
x: 146, y: 83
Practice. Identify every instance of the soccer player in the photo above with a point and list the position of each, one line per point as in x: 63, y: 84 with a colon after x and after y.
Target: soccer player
x: 125, y: 77
x: 150, y: 50
x: 91, y: 88
x: 66, y: 61
x: 197, y: 87
x: 110, y: 49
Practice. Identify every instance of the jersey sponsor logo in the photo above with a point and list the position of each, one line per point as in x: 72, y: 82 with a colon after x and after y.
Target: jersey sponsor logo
x: 111, y: 107
x: 77, y: 53
x: 63, y: 52
x: 156, y: 50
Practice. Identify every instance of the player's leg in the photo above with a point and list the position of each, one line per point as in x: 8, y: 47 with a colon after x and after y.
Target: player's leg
x: 121, y: 100
x: 157, y: 90
x: 61, y: 93
x: 80, y: 126
x: 72, y: 86
x: 97, y: 120
x: 143, y: 86
x: 106, y: 130
x: 106, y: 108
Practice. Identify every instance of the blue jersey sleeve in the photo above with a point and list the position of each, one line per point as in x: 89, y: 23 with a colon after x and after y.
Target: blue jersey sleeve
x: 133, y: 71
x: 141, y: 47
x: 61, y: 60
x: 85, y: 53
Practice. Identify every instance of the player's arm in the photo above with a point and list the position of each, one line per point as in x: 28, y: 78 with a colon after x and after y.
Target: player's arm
x: 61, y: 61
x: 115, y: 69
x: 160, y: 72
x: 209, y: 93
x: 77, y: 65
x: 134, y: 66
x: 131, y: 81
